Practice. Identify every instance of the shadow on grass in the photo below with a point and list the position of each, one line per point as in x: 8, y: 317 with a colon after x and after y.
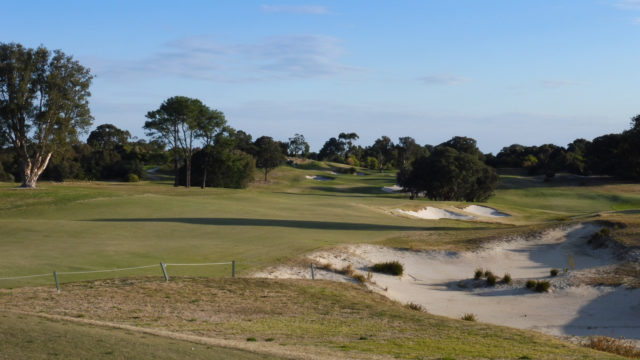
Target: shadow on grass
x: 300, y: 224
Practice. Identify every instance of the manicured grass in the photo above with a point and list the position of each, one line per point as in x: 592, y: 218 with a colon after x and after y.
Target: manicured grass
x: 344, y: 319
x: 91, y: 226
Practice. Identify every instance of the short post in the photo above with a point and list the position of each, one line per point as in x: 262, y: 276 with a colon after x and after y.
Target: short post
x: 233, y: 268
x: 313, y: 271
x: 164, y: 271
x: 55, y: 276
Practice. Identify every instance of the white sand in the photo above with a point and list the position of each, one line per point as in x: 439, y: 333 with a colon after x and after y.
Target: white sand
x: 484, y: 211
x: 318, y: 178
x: 392, y: 189
x: 432, y: 280
x: 433, y: 213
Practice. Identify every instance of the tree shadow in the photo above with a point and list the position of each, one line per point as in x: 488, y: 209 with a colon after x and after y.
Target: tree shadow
x: 299, y: 224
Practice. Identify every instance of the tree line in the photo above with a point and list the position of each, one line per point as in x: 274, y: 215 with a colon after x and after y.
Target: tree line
x: 44, y: 109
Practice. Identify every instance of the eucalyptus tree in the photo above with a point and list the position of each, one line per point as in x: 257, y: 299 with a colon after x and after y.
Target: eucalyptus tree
x: 43, y: 104
x: 176, y: 123
x: 268, y: 154
x: 210, y: 124
x: 298, y: 146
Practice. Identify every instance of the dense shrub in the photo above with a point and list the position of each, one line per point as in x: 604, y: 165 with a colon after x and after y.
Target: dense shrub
x: 506, y: 279
x: 531, y: 284
x: 554, y: 272
x: 542, y: 286
x: 133, y: 178
x: 478, y: 274
x: 390, y: 267
x: 491, y: 280
x: 226, y: 168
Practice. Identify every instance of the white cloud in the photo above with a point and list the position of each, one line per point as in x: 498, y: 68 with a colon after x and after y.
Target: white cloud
x: 628, y: 4
x: 444, y: 80
x: 295, y: 9
x: 209, y: 58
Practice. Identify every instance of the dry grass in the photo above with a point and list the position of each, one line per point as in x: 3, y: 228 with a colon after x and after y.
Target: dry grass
x: 319, y: 315
x: 612, y: 345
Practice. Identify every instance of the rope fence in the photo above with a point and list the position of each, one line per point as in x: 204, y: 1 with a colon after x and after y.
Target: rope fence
x: 163, y: 267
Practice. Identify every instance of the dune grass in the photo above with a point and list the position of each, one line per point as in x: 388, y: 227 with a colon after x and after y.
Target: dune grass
x: 344, y: 319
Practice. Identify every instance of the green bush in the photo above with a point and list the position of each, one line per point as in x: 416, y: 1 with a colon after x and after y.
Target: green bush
x: 478, y: 274
x: 491, y: 280
x: 543, y: 286
x: 531, y: 284
x: 390, y: 267
x: 554, y: 272
x: 252, y: 339
x: 133, y: 178
x: 506, y: 279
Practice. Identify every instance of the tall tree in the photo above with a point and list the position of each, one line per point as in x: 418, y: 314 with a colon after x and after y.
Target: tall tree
x: 211, y: 122
x: 347, y: 139
x: 108, y: 137
x: 268, y: 155
x: 383, y: 149
x: 175, y: 123
x: 298, y: 146
x: 43, y: 104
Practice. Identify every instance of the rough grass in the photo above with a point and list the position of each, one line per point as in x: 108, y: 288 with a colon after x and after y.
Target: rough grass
x: 31, y: 337
x: 612, y: 345
x: 346, y: 320
x: 390, y: 267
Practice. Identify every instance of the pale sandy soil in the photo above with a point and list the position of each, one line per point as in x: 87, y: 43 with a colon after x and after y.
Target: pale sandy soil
x: 434, y: 213
x: 433, y: 279
x: 484, y: 211
x: 318, y: 178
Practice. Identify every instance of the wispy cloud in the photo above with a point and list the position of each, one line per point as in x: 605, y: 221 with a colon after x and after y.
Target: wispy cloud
x: 628, y: 4
x: 209, y: 58
x: 295, y: 9
x: 556, y: 84
x: 444, y: 80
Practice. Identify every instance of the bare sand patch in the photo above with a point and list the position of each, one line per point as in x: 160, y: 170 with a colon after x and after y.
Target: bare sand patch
x: 484, y: 211
x: 392, y: 189
x: 434, y: 213
x: 433, y: 279
x: 318, y: 178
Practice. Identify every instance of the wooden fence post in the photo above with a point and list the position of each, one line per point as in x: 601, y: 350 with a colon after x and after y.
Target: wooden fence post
x: 164, y: 271
x: 55, y: 276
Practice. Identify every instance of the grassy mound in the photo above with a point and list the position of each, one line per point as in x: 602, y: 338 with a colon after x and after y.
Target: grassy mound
x: 314, y: 316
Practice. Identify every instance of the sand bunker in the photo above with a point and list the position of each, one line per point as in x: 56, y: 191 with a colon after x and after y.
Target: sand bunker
x: 392, y: 189
x: 318, y: 178
x: 433, y: 213
x: 432, y: 279
x: 484, y: 211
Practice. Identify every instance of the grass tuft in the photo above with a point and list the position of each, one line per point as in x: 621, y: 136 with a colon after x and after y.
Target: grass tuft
x: 478, y: 274
x: 554, y: 272
x: 390, y: 267
x: 251, y: 339
x: 506, y: 279
x: 491, y: 280
x: 531, y: 284
x: 416, y: 307
x: 469, y: 317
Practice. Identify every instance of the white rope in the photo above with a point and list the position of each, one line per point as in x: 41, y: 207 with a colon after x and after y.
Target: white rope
x: 25, y: 276
x: 222, y: 263
x: 102, y: 271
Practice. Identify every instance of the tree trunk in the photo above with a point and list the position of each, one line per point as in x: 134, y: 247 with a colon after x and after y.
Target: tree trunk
x: 204, y: 170
x: 32, y: 171
x: 175, y: 170
x: 187, y: 162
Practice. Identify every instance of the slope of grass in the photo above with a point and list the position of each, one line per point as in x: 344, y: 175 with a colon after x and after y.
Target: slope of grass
x: 347, y: 320
x: 31, y: 337
x: 98, y: 225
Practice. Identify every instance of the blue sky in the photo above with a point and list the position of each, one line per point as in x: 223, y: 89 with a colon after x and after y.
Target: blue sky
x: 502, y: 72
